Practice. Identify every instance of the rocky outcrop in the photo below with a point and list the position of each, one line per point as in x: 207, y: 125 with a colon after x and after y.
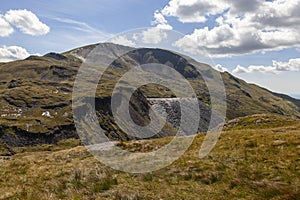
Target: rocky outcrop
x: 170, y: 109
x: 16, y: 137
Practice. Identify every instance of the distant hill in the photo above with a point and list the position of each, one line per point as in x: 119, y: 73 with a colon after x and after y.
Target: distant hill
x: 36, y: 94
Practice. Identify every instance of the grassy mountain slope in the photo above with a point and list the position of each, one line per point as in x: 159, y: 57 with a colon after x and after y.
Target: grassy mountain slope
x: 36, y: 93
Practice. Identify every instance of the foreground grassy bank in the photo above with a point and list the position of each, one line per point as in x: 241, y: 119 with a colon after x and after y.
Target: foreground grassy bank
x: 246, y: 164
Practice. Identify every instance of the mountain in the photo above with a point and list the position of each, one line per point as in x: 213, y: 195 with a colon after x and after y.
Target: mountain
x: 36, y: 94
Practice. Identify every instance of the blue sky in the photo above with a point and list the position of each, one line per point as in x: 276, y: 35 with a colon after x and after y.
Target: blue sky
x: 255, y: 40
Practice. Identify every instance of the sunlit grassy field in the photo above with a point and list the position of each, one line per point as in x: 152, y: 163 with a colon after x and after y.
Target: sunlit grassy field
x: 248, y: 163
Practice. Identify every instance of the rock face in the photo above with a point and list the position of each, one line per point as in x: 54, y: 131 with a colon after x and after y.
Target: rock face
x: 15, y: 137
x: 138, y: 108
x: 170, y: 109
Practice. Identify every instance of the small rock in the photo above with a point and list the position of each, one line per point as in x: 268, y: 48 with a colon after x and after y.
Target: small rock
x: 258, y: 121
x: 14, y: 84
x: 47, y: 114
x: 278, y: 143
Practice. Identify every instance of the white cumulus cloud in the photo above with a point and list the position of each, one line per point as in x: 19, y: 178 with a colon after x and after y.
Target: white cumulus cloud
x: 123, y: 40
x: 220, y: 68
x: 243, y: 27
x: 153, y: 35
x: 5, y: 27
x: 194, y: 10
x: 161, y: 22
x: 27, y: 22
x: 11, y: 53
x: 156, y: 34
x: 275, y: 68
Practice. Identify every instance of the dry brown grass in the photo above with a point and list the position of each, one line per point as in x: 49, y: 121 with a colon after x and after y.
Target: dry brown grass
x: 246, y: 164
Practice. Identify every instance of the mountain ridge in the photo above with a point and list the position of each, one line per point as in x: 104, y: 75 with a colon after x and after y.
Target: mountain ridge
x: 36, y: 93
